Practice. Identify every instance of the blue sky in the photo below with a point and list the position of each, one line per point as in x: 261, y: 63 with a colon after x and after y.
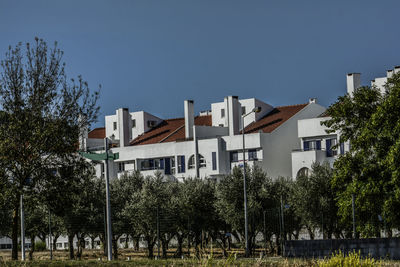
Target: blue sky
x: 151, y: 55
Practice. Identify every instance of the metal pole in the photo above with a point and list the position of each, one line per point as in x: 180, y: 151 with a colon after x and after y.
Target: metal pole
x: 283, y: 223
x: 23, y: 229
x: 245, y: 194
x: 354, y: 216
x: 158, y: 233
x: 108, y: 207
x: 283, y: 228
x: 51, y: 248
x: 105, y: 229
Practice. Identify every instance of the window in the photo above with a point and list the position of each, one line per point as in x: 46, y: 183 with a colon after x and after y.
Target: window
x: 121, y: 166
x: 222, y: 113
x: 66, y: 245
x: 312, y: 145
x: 59, y: 245
x: 122, y: 240
x: 331, y: 147
x: 86, y: 244
x: 133, y: 123
x: 192, y: 162
x: 181, y: 164
x: 152, y: 164
x: 214, y: 160
x: 115, y: 125
x: 151, y: 124
x: 342, y: 148
x: 243, y: 110
x: 102, y: 169
x: 202, y: 162
x: 252, y: 154
x: 173, y: 165
x: 234, y: 156
x: 303, y: 172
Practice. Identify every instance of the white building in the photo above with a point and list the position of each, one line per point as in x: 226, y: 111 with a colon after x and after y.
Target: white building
x: 148, y: 144
x: 318, y: 146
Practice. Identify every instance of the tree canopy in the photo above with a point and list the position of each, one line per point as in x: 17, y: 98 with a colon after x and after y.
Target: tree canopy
x: 42, y: 115
x: 370, y: 121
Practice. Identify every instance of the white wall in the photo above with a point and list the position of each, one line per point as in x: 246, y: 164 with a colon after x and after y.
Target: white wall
x: 141, y: 118
x: 278, y: 145
x: 312, y: 127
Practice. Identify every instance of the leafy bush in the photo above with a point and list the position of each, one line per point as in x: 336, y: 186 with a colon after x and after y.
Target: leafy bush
x: 352, y: 259
x: 40, y: 246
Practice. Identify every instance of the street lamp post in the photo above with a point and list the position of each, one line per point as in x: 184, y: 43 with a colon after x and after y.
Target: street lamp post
x: 255, y: 110
x: 108, y: 206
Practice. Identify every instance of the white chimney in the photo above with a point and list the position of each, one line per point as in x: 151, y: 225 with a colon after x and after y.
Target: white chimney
x: 123, y: 126
x: 189, y: 118
x: 389, y: 73
x: 233, y: 115
x: 396, y: 69
x: 83, y: 132
x: 312, y: 100
x: 353, y: 82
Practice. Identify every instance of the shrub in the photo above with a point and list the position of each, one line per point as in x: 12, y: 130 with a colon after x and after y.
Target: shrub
x: 40, y: 246
x: 352, y: 259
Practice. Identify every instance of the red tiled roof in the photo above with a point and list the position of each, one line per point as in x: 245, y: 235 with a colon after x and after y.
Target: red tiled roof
x: 169, y: 131
x: 98, y: 133
x: 172, y: 130
x: 274, y: 119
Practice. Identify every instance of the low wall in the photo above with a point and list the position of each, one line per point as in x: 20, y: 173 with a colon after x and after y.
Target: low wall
x: 375, y: 247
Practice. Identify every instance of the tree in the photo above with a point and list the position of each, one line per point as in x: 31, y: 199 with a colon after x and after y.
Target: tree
x: 121, y: 191
x: 230, y: 206
x: 5, y: 207
x: 197, y: 214
x: 369, y: 121
x: 141, y: 209
x: 314, y: 200
x: 42, y: 116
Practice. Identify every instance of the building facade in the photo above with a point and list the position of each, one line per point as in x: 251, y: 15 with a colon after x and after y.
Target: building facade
x: 208, y: 145
x: 315, y: 144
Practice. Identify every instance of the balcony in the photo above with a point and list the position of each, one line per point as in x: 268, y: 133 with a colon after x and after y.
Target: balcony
x: 305, y: 158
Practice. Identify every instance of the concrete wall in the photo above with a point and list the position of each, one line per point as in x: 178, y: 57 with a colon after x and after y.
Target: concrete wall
x: 375, y: 247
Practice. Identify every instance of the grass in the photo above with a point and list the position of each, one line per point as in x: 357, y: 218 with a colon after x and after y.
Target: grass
x: 96, y: 258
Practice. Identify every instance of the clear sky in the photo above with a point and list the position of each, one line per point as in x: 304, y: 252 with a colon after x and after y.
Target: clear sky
x: 152, y: 55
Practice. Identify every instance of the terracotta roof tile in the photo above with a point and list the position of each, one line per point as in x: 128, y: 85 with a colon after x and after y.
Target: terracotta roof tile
x: 98, y: 133
x: 274, y: 119
x: 173, y: 130
x: 169, y: 131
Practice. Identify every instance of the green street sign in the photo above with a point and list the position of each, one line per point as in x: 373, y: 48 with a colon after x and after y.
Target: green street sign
x: 99, y: 156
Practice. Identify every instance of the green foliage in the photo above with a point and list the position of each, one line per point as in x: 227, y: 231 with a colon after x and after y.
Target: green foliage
x: 353, y: 259
x: 42, y: 115
x: 370, y: 122
x: 40, y: 246
x: 314, y: 200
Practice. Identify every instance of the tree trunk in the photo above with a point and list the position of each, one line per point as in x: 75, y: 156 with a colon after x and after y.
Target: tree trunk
x: 115, y: 248
x: 55, y: 242
x: 150, y: 247
x: 92, y: 241
x: 32, y: 248
x: 136, y: 242
x: 14, y: 235
x: 164, y: 246
x: 180, y: 244
x: 71, y: 246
